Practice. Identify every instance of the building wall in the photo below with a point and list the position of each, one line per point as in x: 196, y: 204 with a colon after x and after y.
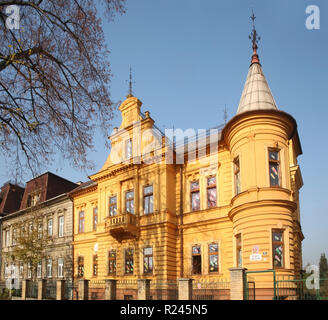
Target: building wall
x: 58, y: 247
x: 174, y: 228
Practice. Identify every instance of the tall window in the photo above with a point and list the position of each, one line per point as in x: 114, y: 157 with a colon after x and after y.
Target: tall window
x: 14, y: 236
x: 81, y: 221
x: 236, y: 165
x: 278, y: 248
x: 213, y: 257
x: 30, y: 228
x: 196, y: 260
x: 61, y: 226
x: 129, y: 261
x: 60, y: 270
x: 148, y: 260
x: 195, y: 196
x: 129, y: 202
x: 39, y: 270
x: 50, y: 227
x: 113, y: 206
x: 21, y: 269
x: 40, y: 231
x: 148, y: 200
x: 274, y: 168
x: 95, y: 218
x: 49, y: 268
x: 238, y: 251
x: 29, y: 270
x: 112, y: 262
x: 211, y: 192
x: 7, y: 238
x: 80, y: 267
x: 128, y: 149
x: 95, y: 265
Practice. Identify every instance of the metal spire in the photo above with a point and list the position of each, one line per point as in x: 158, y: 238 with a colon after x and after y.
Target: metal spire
x: 131, y: 82
x: 255, y: 39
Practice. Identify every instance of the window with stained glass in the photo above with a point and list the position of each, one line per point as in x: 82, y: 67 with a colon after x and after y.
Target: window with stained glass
x: 113, y: 206
x: 129, y: 202
x: 195, y: 196
x: 213, y: 257
x: 211, y: 192
x: 95, y: 265
x: 148, y: 200
x: 128, y: 261
x: 112, y: 262
x: 148, y: 260
x: 196, y: 260
x: 274, y: 168
x: 237, y: 175
x: 80, y: 267
x: 278, y: 248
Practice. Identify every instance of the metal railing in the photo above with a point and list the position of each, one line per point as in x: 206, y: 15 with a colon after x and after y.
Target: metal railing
x: 291, y: 288
x: 211, y: 289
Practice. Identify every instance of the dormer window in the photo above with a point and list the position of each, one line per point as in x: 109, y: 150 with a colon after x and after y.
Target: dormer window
x: 128, y: 149
x: 33, y: 199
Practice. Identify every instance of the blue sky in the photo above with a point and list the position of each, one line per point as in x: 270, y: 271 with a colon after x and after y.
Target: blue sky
x: 190, y: 58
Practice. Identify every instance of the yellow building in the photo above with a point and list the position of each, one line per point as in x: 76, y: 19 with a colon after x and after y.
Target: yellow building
x: 228, y: 197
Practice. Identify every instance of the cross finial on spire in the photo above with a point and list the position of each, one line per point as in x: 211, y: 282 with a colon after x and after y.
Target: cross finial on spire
x: 255, y: 39
x: 131, y: 82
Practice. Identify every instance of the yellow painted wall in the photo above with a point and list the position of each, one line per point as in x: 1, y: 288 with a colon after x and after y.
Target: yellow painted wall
x: 253, y: 213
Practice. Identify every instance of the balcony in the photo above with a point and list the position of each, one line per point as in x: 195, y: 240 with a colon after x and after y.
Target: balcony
x: 122, y: 226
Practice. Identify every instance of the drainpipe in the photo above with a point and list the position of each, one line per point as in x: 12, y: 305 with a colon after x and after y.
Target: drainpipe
x: 181, y: 222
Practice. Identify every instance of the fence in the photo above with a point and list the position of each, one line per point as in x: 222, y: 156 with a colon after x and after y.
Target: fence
x: 291, y: 288
x: 211, y: 289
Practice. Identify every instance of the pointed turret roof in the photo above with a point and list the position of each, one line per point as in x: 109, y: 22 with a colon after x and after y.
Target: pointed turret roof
x: 256, y: 94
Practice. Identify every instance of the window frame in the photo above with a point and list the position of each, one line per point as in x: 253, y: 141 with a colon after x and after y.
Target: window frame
x: 150, y: 197
x: 39, y: 270
x: 192, y: 192
x: 51, y: 228
x: 208, y: 188
x: 282, y: 243
x: 61, y: 226
x: 129, y: 201
x: 80, y: 267
x: 81, y: 220
x: 239, y: 252
x: 278, y: 163
x: 128, y: 149
x: 95, y: 218
x: 49, y: 267
x: 110, y: 259
x: 60, y: 267
x: 112, y: 205
x: 131, y: 256
x: 193, y: 271
x: 213, y: 254
x: 95, y: 265
x: 148, y: 257
x: 236, y: 172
